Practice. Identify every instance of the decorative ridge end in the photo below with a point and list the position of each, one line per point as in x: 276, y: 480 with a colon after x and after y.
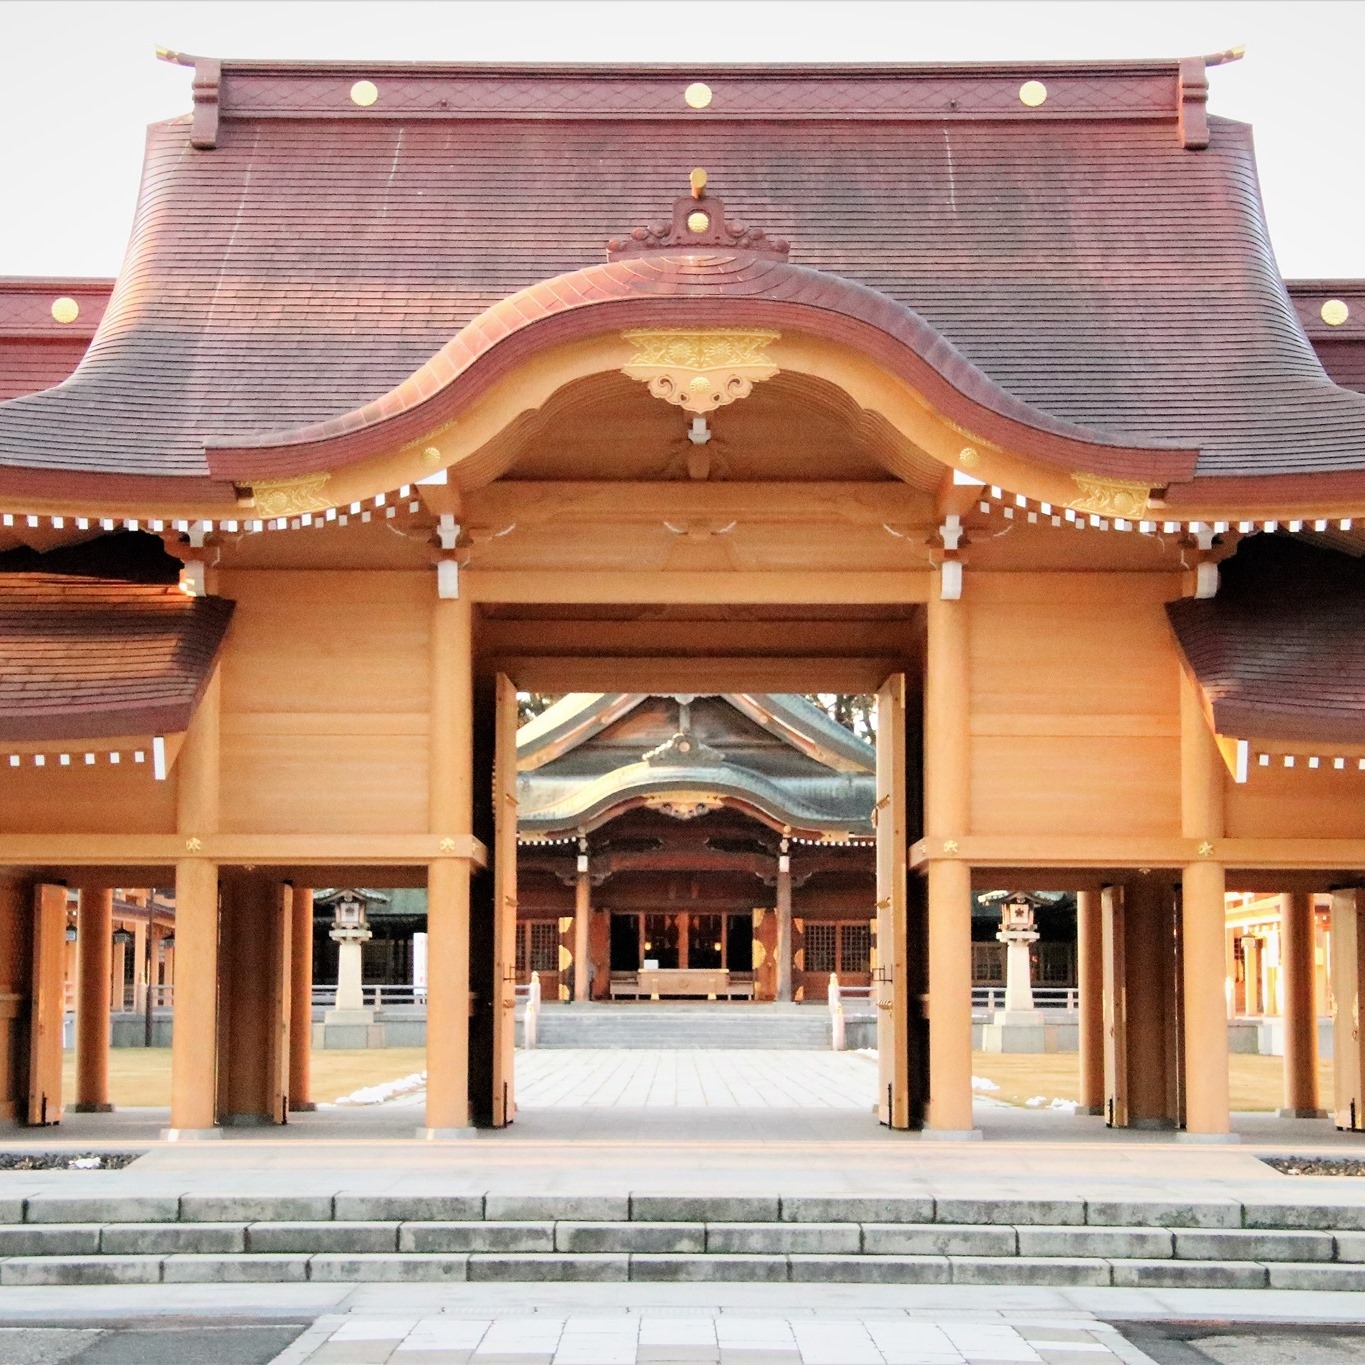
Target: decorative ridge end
x: 698, y: 221
x: 1194, y: 98
x: 169, y: 54
x: 1231, y: 54
x: 208, y: 76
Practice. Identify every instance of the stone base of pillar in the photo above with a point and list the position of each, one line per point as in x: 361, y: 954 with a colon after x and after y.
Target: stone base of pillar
x: 190, y: 1134
x: 307, y: 1107
x: 1030, y: 1035
x: 1208, y: 1137
x: 91, y: 1108
x: 248, y: 1121
x: 446, y: 1134
x: 350, y: 1018
x: 948, y: 1135
x: 1151, y: 1125
x: 1090, y: 1110
x: 1302, y: 1113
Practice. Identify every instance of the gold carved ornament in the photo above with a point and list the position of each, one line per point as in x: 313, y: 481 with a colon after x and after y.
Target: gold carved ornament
x: 1111, y: 497
x: 289, y: 497
x: 700, y: 371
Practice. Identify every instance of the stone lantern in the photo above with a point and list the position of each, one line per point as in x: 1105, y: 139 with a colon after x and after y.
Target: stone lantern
x: 350, y: 932
x: 1019, y: 1027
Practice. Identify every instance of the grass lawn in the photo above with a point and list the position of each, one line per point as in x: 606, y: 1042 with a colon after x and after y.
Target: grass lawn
x: 1253, y: 1082
x: 141, y: 1077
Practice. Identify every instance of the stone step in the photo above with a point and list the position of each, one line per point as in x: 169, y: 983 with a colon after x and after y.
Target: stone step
x: 373, y: 1267
x: 192, y: 1238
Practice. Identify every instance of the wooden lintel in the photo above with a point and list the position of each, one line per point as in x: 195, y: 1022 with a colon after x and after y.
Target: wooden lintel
x: 556, y: 673
x: 548, y: 586
x: 530, y: 503
x: 1100, y: 852
x: 164, y: 850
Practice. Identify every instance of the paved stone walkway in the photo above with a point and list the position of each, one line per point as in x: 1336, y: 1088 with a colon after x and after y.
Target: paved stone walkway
x: 670, y: 1337
x: 574, y: 1078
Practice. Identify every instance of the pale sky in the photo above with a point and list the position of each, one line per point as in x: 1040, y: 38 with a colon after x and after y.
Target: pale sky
x: 81, y: 82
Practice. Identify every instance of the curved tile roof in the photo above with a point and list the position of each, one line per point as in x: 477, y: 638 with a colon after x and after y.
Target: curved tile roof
x: 91, y: 658
x: 1090, y: 261
x: 1280, y: 651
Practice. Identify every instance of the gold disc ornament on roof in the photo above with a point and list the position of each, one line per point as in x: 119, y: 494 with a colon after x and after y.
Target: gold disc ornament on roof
x: 697, y: 95
x: 700, y: 371
x: 1032, y: 93
x: 364, y: 93
x: 65, y: 309
x: 1334, y: 312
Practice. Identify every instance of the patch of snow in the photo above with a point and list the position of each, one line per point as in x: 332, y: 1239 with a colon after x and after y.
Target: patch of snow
x: 84, y: 1163
x: 984, y: 1083
x: 399, y: 1091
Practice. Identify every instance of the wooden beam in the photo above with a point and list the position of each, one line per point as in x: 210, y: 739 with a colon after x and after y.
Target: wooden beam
x: 549, y: 673
x: 833, y: 504
x: 164, y: 850
x: 830, y: 588
x: 1129, y: 851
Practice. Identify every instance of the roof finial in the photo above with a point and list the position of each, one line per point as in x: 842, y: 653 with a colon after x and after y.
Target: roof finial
x: 698, y: 181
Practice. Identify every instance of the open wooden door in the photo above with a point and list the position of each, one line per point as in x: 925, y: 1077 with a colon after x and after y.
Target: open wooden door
x: 1115, y: 976
x: 891, y: 982
x: 48, y: 1005
x: 505, y: 903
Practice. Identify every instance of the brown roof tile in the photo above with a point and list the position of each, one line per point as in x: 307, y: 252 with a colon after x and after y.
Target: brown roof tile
x: 89, y: 658
x: 1080, y: 256
x: 1280, y: 651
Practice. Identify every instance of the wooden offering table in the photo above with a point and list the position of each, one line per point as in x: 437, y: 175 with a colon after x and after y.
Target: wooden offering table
x: 653, y: 983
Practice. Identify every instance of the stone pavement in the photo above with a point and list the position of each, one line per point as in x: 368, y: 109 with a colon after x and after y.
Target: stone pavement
x: 670, y: 1337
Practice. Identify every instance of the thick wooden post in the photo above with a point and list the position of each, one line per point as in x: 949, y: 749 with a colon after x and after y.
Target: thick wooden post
x: 1300, y: 1008
x: 301, y: 1004
x: 784, y: 924
x: 582, y: 918
x: 947, y: 817
x: 1090, y: 993
x: 450, y: 806
x: 194, y: 1044
x: 1203, y: 919
x: 95, y: 948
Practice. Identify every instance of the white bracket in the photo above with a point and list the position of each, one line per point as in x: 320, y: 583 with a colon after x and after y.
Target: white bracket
x: 950, y: 580
x: 447, y: 579
x: 699, y: 433
x: 192, y: 578
x: 448, y: 530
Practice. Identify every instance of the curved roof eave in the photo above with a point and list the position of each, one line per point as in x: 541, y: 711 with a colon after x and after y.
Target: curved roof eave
x: 715, y: 286
x: 636, y: 781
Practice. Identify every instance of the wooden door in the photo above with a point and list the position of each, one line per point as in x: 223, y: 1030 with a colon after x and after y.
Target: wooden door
x: 892, y: 983
x: 504, y: 903
x: 1348, y: 978
x: 48, y: 1005
x: 281, y: 998
x: 1114, y: 977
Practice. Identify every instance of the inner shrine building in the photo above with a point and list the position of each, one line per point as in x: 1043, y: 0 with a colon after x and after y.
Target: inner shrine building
x: 973, y: 387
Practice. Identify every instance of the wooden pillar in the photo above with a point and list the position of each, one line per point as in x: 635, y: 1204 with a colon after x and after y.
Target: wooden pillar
x: 947, y: 817
x: 450, y: 808
x: 582, y: 918
x: 1203, y: 921
x: 784, y: 924
x: 1150, y: 1067
x: 1090, y: 992
x: 140, y: 982
x: 1297, y: 971
x: 301, y: 1003
x: 47, y: 1005
x: 1205, y: 1012
x: 194, y: 1045
x: 1348, y: 997
x: 95, y: 948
